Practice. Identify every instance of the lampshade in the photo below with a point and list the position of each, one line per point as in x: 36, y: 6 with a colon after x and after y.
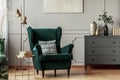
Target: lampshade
x: 18, y: 14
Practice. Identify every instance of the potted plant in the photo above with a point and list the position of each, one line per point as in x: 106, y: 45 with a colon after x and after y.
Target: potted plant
x: 107, y: 20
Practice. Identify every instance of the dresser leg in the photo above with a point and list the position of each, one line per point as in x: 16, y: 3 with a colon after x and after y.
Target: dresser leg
x: 118, y: 66
x: 85, y: 67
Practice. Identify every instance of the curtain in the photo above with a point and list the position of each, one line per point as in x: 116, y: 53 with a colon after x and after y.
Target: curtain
x: 4, y: 23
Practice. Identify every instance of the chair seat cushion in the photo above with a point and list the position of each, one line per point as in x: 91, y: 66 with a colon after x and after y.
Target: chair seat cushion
x: 56, y: 57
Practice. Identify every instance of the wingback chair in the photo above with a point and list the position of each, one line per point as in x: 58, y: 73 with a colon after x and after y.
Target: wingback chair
x: 61, y: 60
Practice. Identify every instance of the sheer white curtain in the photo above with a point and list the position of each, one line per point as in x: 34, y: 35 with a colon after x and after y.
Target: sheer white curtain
x: 4, y: 23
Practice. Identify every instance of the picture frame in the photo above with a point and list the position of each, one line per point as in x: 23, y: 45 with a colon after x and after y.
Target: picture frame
x: 63, y: 6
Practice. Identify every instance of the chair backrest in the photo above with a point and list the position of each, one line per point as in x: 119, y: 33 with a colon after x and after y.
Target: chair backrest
x: 44, y: 34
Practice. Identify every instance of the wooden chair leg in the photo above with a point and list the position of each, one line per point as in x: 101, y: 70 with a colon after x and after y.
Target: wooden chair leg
x: 54, y: 73
x: 68, y: 71
x: 37, y: 72
x: 43, y: 73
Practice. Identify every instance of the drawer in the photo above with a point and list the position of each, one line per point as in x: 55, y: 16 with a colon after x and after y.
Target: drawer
x: 102, y: 60
x: 102, y: 51
x: 102, y: 41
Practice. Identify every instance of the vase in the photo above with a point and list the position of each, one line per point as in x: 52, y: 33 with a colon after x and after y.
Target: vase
x: 98, y: 31
x: 93, y: 27
x: 105, y: 30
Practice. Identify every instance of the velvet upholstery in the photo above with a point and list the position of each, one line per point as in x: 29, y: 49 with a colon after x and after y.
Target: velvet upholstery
x: 62, y: 60
x: 3, y: 68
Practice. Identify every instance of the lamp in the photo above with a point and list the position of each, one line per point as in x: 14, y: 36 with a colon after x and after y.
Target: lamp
x: 21, y: 14
x: 18, y: 14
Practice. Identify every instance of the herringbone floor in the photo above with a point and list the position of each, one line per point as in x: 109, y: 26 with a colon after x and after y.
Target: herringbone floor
x: 77, y: 73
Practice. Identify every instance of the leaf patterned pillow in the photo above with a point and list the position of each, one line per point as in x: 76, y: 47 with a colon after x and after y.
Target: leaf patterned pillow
x: 48, y: 47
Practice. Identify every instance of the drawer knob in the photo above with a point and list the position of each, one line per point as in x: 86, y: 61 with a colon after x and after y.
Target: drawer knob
x: 93, y: 60
x: 114, y: 51
x: 114, y: 42
x: 93, y: 42
x: 93, y: 51
x: 114, y: 60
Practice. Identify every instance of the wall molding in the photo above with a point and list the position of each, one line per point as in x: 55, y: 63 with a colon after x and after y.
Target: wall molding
x: 74, y: 34
x: 65, y: 31
x: 76, y: 31
x: 74, y: 59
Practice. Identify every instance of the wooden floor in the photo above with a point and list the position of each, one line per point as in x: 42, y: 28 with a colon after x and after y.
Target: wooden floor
x: 77, y: 73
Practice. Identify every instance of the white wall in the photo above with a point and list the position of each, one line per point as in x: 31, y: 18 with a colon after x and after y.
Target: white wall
x: 74, y: 25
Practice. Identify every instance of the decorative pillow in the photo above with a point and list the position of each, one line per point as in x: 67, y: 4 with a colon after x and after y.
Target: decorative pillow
x: 48, y: 46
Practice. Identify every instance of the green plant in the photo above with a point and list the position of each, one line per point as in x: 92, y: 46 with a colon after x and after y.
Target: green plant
x: 106, y: 19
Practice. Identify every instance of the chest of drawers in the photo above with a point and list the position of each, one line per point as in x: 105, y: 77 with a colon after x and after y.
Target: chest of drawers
x: 101, y: 50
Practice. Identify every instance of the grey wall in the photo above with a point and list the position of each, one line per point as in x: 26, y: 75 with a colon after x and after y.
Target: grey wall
x: 75, y: 26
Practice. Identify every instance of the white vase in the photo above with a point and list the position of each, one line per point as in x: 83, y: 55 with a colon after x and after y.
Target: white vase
x: 93, y: 27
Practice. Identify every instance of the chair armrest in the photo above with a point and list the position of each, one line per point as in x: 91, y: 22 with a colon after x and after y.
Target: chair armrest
x: 67, y: 48
x: 36, y: 52
x: 37, y: 49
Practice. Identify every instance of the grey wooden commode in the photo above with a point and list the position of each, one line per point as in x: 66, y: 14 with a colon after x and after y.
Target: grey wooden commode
x: 102, y: 50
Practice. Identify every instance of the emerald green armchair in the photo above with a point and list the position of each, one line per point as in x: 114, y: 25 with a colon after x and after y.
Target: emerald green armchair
x: 61, y: 60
